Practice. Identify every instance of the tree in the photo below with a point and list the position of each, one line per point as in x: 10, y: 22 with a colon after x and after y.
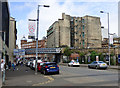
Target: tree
x: 67, y: 51
x: 93, y: 55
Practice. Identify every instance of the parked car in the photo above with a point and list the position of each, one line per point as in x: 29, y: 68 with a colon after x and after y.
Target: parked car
x: 98, y: 64
x: 31, y: 65
x: 74, y: 63
x: 39, y: 65
x: 38, y: 61
x: 49, y: 67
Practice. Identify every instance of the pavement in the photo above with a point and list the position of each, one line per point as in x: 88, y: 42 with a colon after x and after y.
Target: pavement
x: 24, y: 76
x: 0, y: 80
x: 86, y: 65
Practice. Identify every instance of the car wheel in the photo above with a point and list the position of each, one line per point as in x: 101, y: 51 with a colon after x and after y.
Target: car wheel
x: 96, y: 67
x: 44, y: 72
x: 88, y: 66
x: 57, y: 72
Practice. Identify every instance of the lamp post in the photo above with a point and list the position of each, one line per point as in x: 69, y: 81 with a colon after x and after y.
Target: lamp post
x: 37, y: 35
x: 108, y: 35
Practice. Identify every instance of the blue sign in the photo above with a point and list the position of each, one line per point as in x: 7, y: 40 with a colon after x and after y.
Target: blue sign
x: 119, y: 58
x: 89, y: 59
x: 77, y: 60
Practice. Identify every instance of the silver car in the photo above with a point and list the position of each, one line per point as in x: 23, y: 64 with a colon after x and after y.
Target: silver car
x: 98, y: 64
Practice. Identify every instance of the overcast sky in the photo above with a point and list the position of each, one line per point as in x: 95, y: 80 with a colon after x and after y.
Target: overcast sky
x: 22, y: 11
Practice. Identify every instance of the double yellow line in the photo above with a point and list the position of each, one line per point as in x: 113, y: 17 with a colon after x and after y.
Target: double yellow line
x: 50, y: 79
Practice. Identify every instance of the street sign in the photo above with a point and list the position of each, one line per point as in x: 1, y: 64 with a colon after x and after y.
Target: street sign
x: 119, y: 58
x: 17, y: 52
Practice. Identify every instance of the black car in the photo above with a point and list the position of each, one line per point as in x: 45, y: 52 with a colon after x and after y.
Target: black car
x: 49, y: 67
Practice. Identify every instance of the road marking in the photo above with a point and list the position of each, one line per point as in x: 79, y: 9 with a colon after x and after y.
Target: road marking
x: 50, y: 79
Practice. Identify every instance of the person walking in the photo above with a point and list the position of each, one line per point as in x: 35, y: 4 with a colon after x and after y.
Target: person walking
x: 13, y: 66
x: 9, y: 65
x: 2, y: 68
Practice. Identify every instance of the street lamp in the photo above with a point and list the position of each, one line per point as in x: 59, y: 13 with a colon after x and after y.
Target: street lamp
x: 108, y: 35
x: 37, y: 35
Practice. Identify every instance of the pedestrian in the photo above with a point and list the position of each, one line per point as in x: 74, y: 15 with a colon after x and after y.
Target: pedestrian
x: 9, y: 65
x: 13, y: 66
x: 2, y: 67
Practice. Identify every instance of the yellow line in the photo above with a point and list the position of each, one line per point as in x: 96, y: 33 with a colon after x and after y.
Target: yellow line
x: 50, y: 80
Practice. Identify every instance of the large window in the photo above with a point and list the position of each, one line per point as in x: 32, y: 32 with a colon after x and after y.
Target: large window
x: 83, y: 27
x: 83, y: 20
x: 83, y: 43
x: 83, y: 35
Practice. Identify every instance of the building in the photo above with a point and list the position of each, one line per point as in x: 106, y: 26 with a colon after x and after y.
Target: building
x: 78, y: 32
x: 12, y: 37
x: 32, y: 45
x: 4, y: 30
x: 116, y: 42
x: 58, y: 34
x: 119, y: 18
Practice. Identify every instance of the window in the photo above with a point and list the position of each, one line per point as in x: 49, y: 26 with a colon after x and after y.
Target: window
x: 83, y: 21
x: 83, y: 35
x: 76, y: 20
x: 83, y: 27
x: 80, y: 28
x: 83, y: 43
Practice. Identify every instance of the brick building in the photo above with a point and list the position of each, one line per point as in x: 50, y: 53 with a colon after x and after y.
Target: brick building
x: 32, y: 45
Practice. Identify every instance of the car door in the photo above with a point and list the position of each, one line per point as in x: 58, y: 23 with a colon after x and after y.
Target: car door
x: 95, y: 64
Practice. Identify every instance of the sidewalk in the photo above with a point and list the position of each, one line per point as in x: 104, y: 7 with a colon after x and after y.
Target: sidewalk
x: 24, y: 76
x: 0, y: 80
x: 86, y: 65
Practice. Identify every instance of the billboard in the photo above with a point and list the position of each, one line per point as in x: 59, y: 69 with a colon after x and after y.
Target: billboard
x: 31, y: 27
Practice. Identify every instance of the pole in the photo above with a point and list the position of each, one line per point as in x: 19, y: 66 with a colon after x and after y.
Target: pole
x: 37, y: 41
x: 4, y: 60
x: 108, y: 40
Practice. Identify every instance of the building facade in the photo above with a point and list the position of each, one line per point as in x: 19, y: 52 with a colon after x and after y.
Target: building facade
x: 116, y: 42
x: 4, y: 30
x: 119, y: 18
x: 32, y: 45
x: 78, y: 32
x: 12, y: 37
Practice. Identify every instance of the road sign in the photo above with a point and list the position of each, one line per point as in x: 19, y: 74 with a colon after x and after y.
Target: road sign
x: 19, y: 52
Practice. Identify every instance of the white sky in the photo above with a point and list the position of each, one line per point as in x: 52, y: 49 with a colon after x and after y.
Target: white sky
x: 22, y: 11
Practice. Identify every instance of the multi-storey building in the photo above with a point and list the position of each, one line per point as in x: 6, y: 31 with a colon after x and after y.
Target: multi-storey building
x: 4, y: 30
x: 32, y: 45
x: 78, y: 32
x: 12, y: 37
x: 119, y: 18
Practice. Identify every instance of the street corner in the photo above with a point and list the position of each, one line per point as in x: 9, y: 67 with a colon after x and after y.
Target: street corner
x: 49, y: 79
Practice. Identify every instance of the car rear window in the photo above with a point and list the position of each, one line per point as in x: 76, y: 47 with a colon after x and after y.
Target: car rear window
x: 101, y: 62
x: 51, y: 64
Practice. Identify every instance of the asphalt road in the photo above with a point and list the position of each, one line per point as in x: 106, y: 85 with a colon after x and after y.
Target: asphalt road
x: 69, y: 76
x: 82, y: 76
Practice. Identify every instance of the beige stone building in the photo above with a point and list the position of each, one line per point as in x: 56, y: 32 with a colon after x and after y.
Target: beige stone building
x: 12, y: 37
x: 78, y: 32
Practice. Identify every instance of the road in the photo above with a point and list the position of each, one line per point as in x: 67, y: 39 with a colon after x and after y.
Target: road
x: 69, y: 76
